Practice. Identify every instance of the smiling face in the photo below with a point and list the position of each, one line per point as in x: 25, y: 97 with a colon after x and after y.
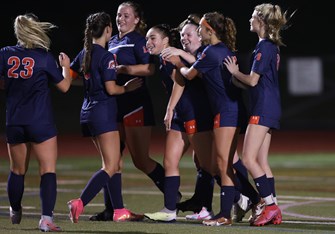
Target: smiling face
x: 155, y: 41
x: 189, y: 38
x: 126, y: 20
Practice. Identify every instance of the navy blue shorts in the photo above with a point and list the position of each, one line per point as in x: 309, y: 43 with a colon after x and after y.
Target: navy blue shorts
x: 135, y: 110
x: 228, y: 119
x: 265, y: 121
x: 38, y: 133
x: 92, y: 129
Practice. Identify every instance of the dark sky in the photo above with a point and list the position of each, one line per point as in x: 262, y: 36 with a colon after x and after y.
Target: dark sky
x: 308, y: 35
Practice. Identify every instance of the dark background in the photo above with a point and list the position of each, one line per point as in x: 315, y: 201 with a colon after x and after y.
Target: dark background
x: 309, y: 36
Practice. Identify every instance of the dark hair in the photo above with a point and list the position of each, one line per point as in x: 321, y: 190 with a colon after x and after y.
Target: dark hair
x: 95, y: 26
x: 193, y: 18
x: 171, y: 33
x: 224, y: 27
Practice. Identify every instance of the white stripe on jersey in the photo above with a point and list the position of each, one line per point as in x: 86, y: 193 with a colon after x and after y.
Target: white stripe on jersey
x: 120, y: 46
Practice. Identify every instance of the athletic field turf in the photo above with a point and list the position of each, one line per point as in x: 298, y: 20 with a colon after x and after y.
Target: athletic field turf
x: 305, y: 187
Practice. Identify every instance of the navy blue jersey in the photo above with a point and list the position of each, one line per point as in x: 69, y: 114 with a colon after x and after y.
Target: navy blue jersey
x: 223, y: 95
x: 193, y: 105
x: 27, y: 73
x: 131, y: 50
x: 98, y: 106
x: 265, y: 96
x: 183, y: 108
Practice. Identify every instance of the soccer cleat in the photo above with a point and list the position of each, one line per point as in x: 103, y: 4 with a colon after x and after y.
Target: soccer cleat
x: 46, y: 224
x: 277, y: 219
x: 105, y: 215
x: 162, y: 216
x: 268, y: 214
x: 189, y: 205
x: 15, y: 216
x: 122, y: 215
x: 204, y: 214
x: 222, y: 221
x: 256, y: 210
x: 241, y: 208
x: 76, y: 207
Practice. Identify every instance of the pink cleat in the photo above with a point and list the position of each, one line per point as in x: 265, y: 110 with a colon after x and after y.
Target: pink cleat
x: 76, y: 208
x: 277, y: 219
x: 268, y: 214
x: 122, y: 215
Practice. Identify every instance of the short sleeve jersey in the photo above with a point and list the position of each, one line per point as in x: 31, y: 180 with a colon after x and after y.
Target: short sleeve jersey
x: 265, y: 96
x: 102, y: 70
x: 27, y: 73
x: 223, y: 95
x: 129, y: 50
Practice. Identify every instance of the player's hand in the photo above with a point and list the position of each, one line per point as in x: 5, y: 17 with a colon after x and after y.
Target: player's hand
x: 168, y: 119
x: 64, y: 60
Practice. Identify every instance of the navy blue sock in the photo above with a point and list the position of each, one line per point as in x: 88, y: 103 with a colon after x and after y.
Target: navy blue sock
x: 15, y: 189
x: 48, y: 193
x: 239, y: 166
x: 226, y: 200
x: 237, y: 195
x: 204, y: 189
x: 172, y: 184
x: 158, y: 176
x: 107, y: 200
x: 94, y: 185
x: 262, y: 186
x: 243, y: 184
x: 115, y: 191
x: 271, y: 181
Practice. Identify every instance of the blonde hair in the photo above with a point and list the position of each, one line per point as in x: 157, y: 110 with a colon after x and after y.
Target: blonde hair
x: 31, y: 33
x: 274, y: 21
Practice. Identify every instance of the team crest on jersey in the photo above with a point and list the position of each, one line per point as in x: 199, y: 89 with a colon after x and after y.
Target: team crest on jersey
x: 258, y: 56
x: 111, y: 64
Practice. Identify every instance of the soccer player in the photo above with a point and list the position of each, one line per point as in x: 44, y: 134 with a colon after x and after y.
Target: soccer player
x: 263, y: 85
x: 98, y: 116
x: 188, y: 118
x: 225, y: 101
x: 27, y: 69
x: 135, y: 109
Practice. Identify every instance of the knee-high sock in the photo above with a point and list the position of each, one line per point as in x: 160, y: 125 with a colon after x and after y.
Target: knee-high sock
x: 171, y: 188
x: 226, y: 200
x: 158, y: 176
x: 94, y: 185
x: 204, y: 189
x: 243, y: 183
x: 264, y: 189
x: 48, y: 193
x: 15, y: 189
x: 114, y: 186
x: 107, y: 199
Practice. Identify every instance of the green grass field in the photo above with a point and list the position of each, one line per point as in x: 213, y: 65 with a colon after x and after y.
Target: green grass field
x: 305, y: 187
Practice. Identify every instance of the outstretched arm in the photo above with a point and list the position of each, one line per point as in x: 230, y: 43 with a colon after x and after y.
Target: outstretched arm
x: 232, y: 66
